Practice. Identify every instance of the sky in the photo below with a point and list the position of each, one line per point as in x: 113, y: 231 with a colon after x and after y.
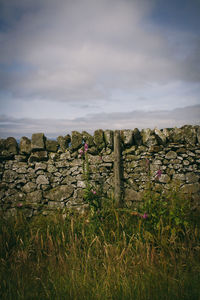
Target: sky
x: 89, y: 64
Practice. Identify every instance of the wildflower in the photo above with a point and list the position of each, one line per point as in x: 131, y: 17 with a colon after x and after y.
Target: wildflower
x: 81, y: 152
x: 19, y: 204
x: 94, y: 192
x: 158, y: 174
x: 144, y: 216
x: 86, y: 147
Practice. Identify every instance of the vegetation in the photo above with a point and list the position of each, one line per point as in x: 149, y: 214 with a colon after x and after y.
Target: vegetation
x: 111, y: 254
x: 105, y: 253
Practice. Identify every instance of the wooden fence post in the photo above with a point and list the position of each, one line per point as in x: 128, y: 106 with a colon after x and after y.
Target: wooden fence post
x: 117, y: 169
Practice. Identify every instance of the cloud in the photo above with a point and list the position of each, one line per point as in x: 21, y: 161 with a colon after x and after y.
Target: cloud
x: 128, y: 120
x: 84, y: 50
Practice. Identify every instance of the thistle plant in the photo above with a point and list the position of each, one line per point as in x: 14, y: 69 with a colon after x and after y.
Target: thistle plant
x: 169, y: 210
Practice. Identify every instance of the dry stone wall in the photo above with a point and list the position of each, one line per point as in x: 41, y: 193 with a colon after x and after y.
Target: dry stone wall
x: 40, y: 175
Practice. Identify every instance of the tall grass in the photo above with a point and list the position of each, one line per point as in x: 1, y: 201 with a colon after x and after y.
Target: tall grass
x: 114, y: 256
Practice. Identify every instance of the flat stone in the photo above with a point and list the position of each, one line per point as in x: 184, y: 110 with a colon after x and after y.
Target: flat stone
x: 99, y: 139
x: 77, y: 140
x: 132, y: 195
x: 51, y: 169
x: 9, y: 176
x: 161, y: 138
x: 88, y: 138
x: 25, y: 145
x: 29, y: 187
x: 11, y: 145
x: 51, y: 146
x: 63, y: 143
x: 127, y: 137
x: 38, y: 156
x: 59, y: 193
x: 81, y: 184
x: 148, y: 137
x: 179, y: 177
x: 42, y: 179
x: 164, y: 178
x: 108, y: 136
x: 56, y: 204
x: 137, y: 138
x: 190, y: 188
x: 171, y: 155
x: 190, y: 134
x: 38, y: 141
x: 40, y: 166
x: 191, y: 177
x: 34, y: 197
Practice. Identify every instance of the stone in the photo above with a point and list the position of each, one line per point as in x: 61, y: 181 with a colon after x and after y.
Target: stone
x: 107, y: 158
x: 132, y: 195
x: 20, y: 158
x: 88, y: 138
x: 81, y: 184
x: 9, y: 176
x: 186, y: 162
x: 109, y: 138
x: 190, y: 188
x: 62, y: 143
x: 93, y: 159
x: 51, y: 146
x: 56, y: 204
x: 66, y: 155
x: 99, y: 139
x: 51, y: 169
x: 190, y: 134
x: 179, y: 177
x: 137, y: 138
x: 148, y: 137
x: 171, y: 155
x: 161, y: 138
x: 164, y: 178
x: 42, y: 179
x: 176, y: 135
x: 155, y: 148
x: 129, y: 150
x: 11, y: 145
x: 29, y: 187
x: 38, y: 141
x: 25, y: 145
x: 40, y: 166
x: 127, y: 137
x: 191, y: 177
x: 38, y: 156
x: 59, y: 193
x: 34, y: 197
x: 77, y: 140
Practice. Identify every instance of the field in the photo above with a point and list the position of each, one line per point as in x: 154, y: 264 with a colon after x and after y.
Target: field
x: 111, y: 254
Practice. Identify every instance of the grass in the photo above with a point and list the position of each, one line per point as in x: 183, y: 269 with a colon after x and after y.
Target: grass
x: 113, y: 256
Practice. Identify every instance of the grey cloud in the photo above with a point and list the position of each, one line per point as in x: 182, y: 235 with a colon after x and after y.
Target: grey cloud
x: 54, y: 127
x: 81, y: 50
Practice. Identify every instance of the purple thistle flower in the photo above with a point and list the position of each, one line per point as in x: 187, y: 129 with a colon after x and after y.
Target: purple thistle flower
x: 158, y: 174
x: 94, y: 192
x: 19, y: 204
x: 81, y: 152
x: 86, y: 147
x: 144, y: 216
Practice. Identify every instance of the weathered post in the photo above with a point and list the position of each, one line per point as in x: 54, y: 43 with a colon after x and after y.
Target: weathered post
x: 117, y: 169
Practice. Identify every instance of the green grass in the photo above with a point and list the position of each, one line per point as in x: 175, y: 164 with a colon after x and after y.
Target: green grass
x: 114, y: 256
